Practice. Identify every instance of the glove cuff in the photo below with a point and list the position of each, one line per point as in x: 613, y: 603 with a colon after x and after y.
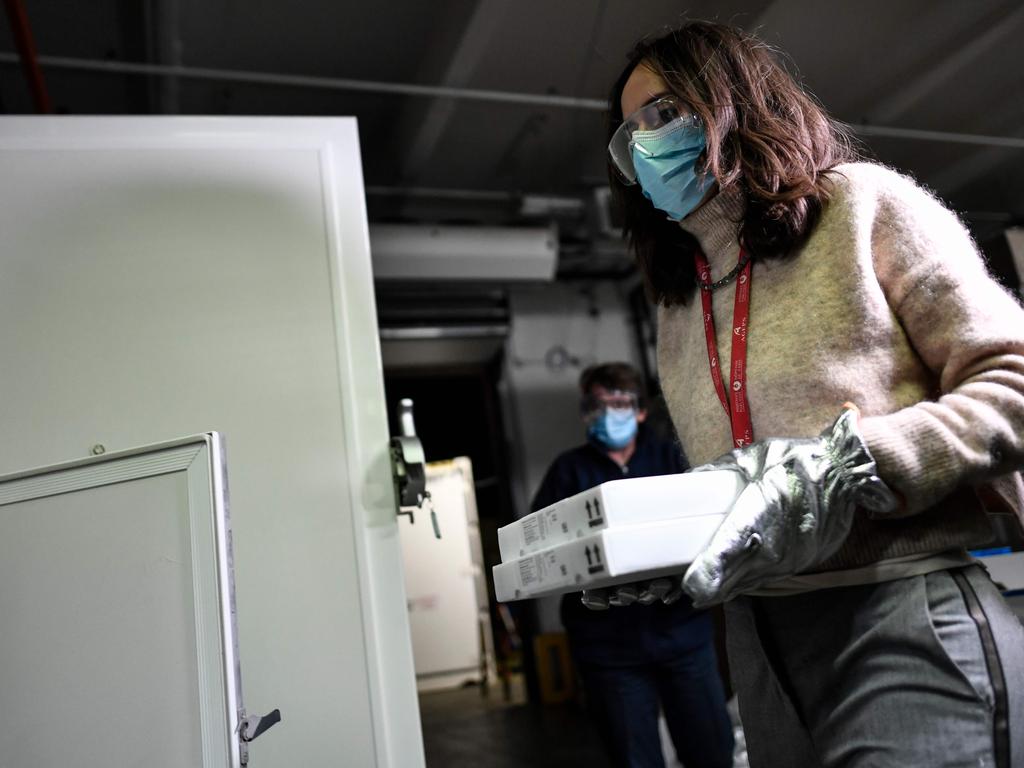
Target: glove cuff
x: 856, y: 472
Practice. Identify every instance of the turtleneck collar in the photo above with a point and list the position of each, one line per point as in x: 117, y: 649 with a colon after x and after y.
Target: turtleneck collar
x: 716, y: 226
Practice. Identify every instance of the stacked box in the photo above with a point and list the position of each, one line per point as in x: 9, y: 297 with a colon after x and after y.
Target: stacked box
x: 617, y: 532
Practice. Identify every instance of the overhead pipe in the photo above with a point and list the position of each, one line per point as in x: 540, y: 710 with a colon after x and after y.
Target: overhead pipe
x: 27, y: 51
x: 1008, y: 142
x: 305, y: 81
x: 449, y: 92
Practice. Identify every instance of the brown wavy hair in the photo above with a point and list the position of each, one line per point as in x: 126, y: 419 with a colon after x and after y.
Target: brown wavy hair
x: 764, y: 132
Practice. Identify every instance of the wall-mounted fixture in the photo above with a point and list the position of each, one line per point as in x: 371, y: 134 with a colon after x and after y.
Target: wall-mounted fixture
x: 418, y: 252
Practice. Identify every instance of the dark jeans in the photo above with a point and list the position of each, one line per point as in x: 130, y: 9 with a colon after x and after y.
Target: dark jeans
x: 624, y: 702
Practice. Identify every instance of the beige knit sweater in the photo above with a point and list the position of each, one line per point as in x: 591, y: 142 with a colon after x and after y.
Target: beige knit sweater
x: 888, y: 305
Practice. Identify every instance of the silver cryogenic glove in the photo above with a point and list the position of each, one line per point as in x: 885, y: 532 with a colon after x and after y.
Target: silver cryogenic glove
x: 667, y: 589
x: 794, y: 512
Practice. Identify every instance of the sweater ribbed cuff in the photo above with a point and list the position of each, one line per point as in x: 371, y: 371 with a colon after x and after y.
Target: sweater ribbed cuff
x: 908, y: 459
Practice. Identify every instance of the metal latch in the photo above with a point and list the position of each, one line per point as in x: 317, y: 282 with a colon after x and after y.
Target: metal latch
x: 408, y: 467
x: 251, y: 726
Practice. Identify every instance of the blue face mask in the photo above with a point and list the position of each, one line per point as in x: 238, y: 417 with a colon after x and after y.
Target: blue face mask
x: 665, y: 162
x: 613, y: 428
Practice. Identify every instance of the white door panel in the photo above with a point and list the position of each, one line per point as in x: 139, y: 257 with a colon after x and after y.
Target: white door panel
x: 170, y: 276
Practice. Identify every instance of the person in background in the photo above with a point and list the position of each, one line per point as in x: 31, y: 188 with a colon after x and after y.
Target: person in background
x: 793, y: 278
x: 647, y: 657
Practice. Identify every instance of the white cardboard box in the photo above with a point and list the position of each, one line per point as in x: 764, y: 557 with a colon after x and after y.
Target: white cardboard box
x: 620, y: 502
x: 608, y: 556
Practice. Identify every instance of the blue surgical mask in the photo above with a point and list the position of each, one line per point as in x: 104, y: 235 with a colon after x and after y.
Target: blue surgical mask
x: 665, y: 162
x: 613, y: 428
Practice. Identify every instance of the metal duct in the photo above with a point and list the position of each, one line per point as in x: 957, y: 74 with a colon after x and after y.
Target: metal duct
x: 440, y: 253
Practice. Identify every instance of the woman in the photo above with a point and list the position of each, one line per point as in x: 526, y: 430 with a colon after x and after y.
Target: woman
x: 860, y: 631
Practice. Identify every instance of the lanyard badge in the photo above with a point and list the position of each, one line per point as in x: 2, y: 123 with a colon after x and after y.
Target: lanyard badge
x: 735, y: 401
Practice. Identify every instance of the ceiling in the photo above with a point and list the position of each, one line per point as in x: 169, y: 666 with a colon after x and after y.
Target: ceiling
x: 490, y: 111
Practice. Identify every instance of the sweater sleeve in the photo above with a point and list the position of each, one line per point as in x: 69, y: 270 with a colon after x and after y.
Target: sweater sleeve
x: 968, y: 331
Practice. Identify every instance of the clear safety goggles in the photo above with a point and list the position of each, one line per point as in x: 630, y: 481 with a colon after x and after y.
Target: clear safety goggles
x: 662, y: 112
x: 592, y: 405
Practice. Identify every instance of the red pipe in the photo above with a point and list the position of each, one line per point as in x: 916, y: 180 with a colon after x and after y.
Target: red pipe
x: 27, y: 51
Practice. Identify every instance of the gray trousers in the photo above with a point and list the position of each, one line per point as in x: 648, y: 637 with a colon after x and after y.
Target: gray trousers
x: 926, y: 671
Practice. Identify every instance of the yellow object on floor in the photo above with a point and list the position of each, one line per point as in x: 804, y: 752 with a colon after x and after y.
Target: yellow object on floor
x: 554, y: 667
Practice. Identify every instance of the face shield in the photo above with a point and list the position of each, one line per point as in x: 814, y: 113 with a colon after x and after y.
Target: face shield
x: 645, y: 124
x: 593, y: 406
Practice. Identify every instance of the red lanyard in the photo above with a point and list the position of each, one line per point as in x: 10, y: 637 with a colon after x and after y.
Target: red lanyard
x: 735, y: 404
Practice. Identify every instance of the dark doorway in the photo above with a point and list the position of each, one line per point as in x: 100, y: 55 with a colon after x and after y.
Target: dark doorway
x: 457, y: 413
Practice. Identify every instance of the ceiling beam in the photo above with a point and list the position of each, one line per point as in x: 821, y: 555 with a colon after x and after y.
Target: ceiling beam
x: 955, y: 176
x: 939, y: 70
x: 475, y: 42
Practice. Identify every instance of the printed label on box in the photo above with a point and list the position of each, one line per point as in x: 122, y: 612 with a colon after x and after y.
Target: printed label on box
x: 528, y: 571
x: 531, y: 530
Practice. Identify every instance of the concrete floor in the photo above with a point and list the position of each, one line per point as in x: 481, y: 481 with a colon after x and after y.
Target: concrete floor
x: 463, y: 729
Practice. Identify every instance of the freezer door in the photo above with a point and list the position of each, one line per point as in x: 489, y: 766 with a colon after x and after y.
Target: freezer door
x: 164, y: 276
x: 118, y: 644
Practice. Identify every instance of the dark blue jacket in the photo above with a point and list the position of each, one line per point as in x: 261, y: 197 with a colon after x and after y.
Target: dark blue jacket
x: 635, y: 634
